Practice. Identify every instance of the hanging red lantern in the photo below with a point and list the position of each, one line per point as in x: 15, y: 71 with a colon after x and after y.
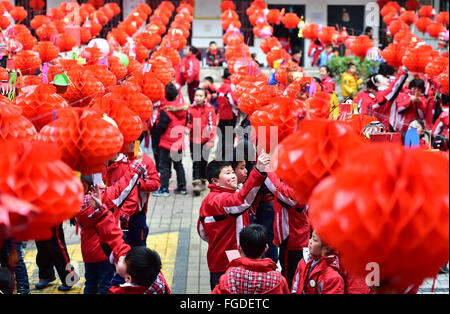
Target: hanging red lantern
x: 290, y: 20
x: 116, y: 67
x: 352, y: 195
x: 412, y: 5
x: 83, y: 87
x: 434, y: 29
x: 397, y: 25
x: 409, y: 17
x: 311, y: 31
x: 66, y: 42
x: 27, y: 61
x: 443, y: 81
x: 107, y: 78
x: 7, y: 5
x: 230, y: 23
x: 169, y: 53
x: 392, y: 55
x: 277, y: 54
x: 312, y: 153
x: 152, y: 87
x: 27, y: 40
x: 416, y: 59
x: 38, y: 103
x: 422, y: 24
x: 427, y: 11
x: 95, y: 28
x: 390, y: 17
x: 46, y: 31
x: 361, y: 45
x: 4, y: 22
x: 86, y: 140
x: 18, y: 14
x: 85, y: 35
x: 436, y: 66
x: 227, y: 5
x: 38, y: 21
x: 274, y: 16
x: 128, y: 122
x: 275, y: 121
x: 233, y: 38
x: 136, y: 101
x: 114, y: 7
x: 33, y: 172
x: 37, y: 5
x: 13, y: 125
x: 47, y: 51
x: 327, y: 35
x: 443, y: 17
x: 390, y: 7
x: 268, y: 43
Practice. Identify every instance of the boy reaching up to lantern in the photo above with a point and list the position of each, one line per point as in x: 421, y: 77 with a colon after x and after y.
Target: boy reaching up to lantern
x: 223, y: 212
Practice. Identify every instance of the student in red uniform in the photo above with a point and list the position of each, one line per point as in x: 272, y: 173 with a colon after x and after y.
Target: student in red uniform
x: 208, y: 85
x: 171, y: 127
x: 410, y: 105
x: 315, y: 49
x: 366, y: 97
x: 221, y: 213
x: 327, y: 83
x: 228, y: 113
x: 190, y: 70
x: 201, y: 124
x: 319, y: 271
x: 98, y: 269
x: 252, y: 274
x: 291, y: 226
x: 141, y: 271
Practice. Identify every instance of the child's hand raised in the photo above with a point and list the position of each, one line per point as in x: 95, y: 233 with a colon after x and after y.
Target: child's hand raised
x: 263, y: 161
x: 95, y: 198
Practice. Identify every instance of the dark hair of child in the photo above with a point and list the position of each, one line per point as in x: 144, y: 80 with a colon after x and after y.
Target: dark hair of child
x: 253, y: 240
x: 143, y: 265
x: 214, y: 168
x: 171, y: 92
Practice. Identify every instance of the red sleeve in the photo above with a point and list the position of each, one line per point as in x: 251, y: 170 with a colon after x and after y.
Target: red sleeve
x: 285, y: 193
x: 212, y: 122
x: 296, y: 280
x: 117, y: 193
x: 152, y: 181
x: 239, y: 202
x: 333, y: 285
x: 403, y: 102
x: 130, y: 206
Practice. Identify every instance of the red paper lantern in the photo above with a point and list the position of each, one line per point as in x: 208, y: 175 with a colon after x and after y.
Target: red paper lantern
x: 276, y: 54
x: 230, y: 23
x: 169, y: 53
x: 7, y: 5
x: 274, y: 16
x: 427, y: 11
x: 95, y: 28
x: 390, y: 7
x: 34, y: 173
x: 133, y: 66
x: 315, y: 151
x: 162, y: 68
x: 392, y: 55
x: 361, y: 45
x: 114, y: 7
x: 107, y: 78
x: 27, y: 61
x: 233, y: 38
x: 422, y: 24
x: 18, y: 14
x: 16, y: 215
x: 13, y: 125
x: 92, y: 55
x: 152, y: 87
x: 311, y: 31
x: 378, y: 192
x: 412, y: 5
x: 47, y: 51
x: 116, y: 67
x: 84, y: 86
x: 443, y: 81
x: 38, y: 21
x: 290, y: 20
x: 436, y: 66
x: 227, y: 5
x: 39, y: 103
x: 46, y: 31
x: 4, y: 22
x: 359, y: 121
x: 434, y: 29
x: 417, y: 59
x: 136, y: 101
x: 390, y: 17
x: 85, y: 35
x: 327, y: 35
x: 55, y: 14
x: 128, y: 122
x: 37, y: 5
x: 409, y: 17
x: 86, y: 140
x: 397, y: 25
x: 268, y: 43
x: 275, y: 121
x: 443, y: 18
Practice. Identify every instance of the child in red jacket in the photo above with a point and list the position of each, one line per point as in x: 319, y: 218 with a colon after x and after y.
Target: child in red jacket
x: 190, y: 70
x: 141, y: 271
x: 319, y: 271
x: 96, y: 246
x: 221, y: 213
x: 252, y: 274
x: 327, y: 83
x: 201, y: 124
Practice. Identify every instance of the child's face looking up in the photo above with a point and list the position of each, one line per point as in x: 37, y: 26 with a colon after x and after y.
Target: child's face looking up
x: 241, y: 172
x: 227, y: 178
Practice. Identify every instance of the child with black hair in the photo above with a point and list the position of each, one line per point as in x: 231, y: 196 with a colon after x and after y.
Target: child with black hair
x: 251, y: 273
x: 214, y: 56
x: 222, y: 213
x: 171, y: 127
x: 141, y: 271
x: 208, y: 85
x: 327, y: 83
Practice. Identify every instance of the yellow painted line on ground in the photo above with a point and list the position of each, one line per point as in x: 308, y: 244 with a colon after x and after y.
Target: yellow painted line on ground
x: 165, y: 244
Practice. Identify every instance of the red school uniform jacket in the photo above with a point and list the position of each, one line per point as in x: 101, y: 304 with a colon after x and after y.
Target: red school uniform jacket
x: 364, y: 100
x: 441, y: 126
x: 321, y: 278
x: 221, y: 219
x: 291, y: 219
x: 171, y: 125
x: 250, y: 276
x: 201, y: 123
x: 159, y: 286
x: 227, y: 101
x: 407, y: 111
x: 328, y: 85
x: 191, y: 69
